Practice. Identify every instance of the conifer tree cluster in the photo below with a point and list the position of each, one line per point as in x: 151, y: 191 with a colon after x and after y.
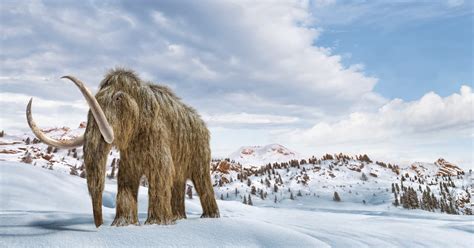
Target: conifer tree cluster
x: 336, y: 197
x: 249, y: 201
x: 427, y: 200
x: 412, y: 191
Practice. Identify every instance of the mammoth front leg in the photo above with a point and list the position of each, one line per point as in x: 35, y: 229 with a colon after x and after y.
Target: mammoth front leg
x: 160, y: 180
x: 128, y: 181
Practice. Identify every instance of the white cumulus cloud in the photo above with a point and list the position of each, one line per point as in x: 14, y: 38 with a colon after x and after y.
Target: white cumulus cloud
x: 400, y: 129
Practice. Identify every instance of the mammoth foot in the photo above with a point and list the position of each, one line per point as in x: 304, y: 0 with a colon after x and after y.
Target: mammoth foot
x: 210, y: 215
x: 179, y: 216
x: 124, y: 221
x: 160, y: 221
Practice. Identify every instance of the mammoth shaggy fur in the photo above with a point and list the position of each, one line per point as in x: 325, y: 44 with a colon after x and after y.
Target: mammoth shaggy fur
x: 158, y: 137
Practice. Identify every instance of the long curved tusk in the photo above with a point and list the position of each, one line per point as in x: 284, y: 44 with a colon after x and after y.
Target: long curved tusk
x: 99, y: 116
x: 79, y: 141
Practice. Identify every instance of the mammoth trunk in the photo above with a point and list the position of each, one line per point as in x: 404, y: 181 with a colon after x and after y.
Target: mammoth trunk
x: 96, y: 151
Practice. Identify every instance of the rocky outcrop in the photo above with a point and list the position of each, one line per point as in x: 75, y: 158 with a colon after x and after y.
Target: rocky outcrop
x: 447, y: 169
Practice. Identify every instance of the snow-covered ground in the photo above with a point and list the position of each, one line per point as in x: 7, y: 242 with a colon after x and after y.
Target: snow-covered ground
x: 50, y: 208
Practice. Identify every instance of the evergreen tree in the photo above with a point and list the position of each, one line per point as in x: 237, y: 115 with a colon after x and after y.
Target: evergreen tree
x: 189, y: 192
x: 112, y: 173
x: 291, y: 196
x: 406, y: 202
x: 446, y: 187
x: 336, y: 197
x: 250, y: 201
x: 267, y: 182
x: 434, y: 201
x: 253, y: 191
x: 396, y: 203
x: 245, y: 200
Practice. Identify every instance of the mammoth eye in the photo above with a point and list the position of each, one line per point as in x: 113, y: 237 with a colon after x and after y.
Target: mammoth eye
x: 118, y: 96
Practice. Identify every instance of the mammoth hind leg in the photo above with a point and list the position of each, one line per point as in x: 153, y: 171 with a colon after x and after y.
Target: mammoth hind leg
x: 202, y: 183
x: 177, y: 199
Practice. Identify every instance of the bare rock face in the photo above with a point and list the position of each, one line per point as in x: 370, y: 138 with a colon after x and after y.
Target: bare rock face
x: 447, y: 169
x: 440, y: 167
x: 9, y: 151
x: 223, y: 166
x: 83, y: 124
x: 47, y: 156
x: 247, y: 151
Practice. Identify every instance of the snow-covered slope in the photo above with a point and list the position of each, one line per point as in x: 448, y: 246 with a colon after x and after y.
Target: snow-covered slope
x: 355, y: 180
x: 262, y: 155
x: 26, y: 148
x: 277, y: 182
x: 44, y: 201
x: 47, y: 208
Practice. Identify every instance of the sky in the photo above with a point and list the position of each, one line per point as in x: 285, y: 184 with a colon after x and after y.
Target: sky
x: 392, y: 79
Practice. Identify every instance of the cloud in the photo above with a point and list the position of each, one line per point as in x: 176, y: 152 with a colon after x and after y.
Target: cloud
x: 384, y: 15
x: 399, y: 128
x: 455, y: 3
x: 208, y: 51
x: 254, y: 68
x: 271, y: 52
x: 246, y: 118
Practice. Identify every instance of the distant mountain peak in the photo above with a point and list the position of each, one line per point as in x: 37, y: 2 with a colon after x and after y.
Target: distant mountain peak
x: 261, y: 155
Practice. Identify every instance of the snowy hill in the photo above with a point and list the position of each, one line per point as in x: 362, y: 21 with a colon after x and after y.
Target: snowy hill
x: 47, y: 208
x: 355, y: 179
x: 44, y: 208
x: 262, y: 155
x: 287, y: 203
x: 27, y: 149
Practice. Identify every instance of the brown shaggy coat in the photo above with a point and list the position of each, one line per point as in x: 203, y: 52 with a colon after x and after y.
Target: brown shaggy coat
x: 159, y: 137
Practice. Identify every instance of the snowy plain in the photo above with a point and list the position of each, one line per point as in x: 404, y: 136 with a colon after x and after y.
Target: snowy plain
x: 48, y: 208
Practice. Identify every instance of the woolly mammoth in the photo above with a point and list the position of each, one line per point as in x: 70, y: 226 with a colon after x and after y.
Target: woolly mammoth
x: 157, y: 135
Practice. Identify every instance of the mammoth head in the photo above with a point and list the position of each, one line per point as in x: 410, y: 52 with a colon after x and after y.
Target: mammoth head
x: 112, y: 109
x: 112, y: 120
